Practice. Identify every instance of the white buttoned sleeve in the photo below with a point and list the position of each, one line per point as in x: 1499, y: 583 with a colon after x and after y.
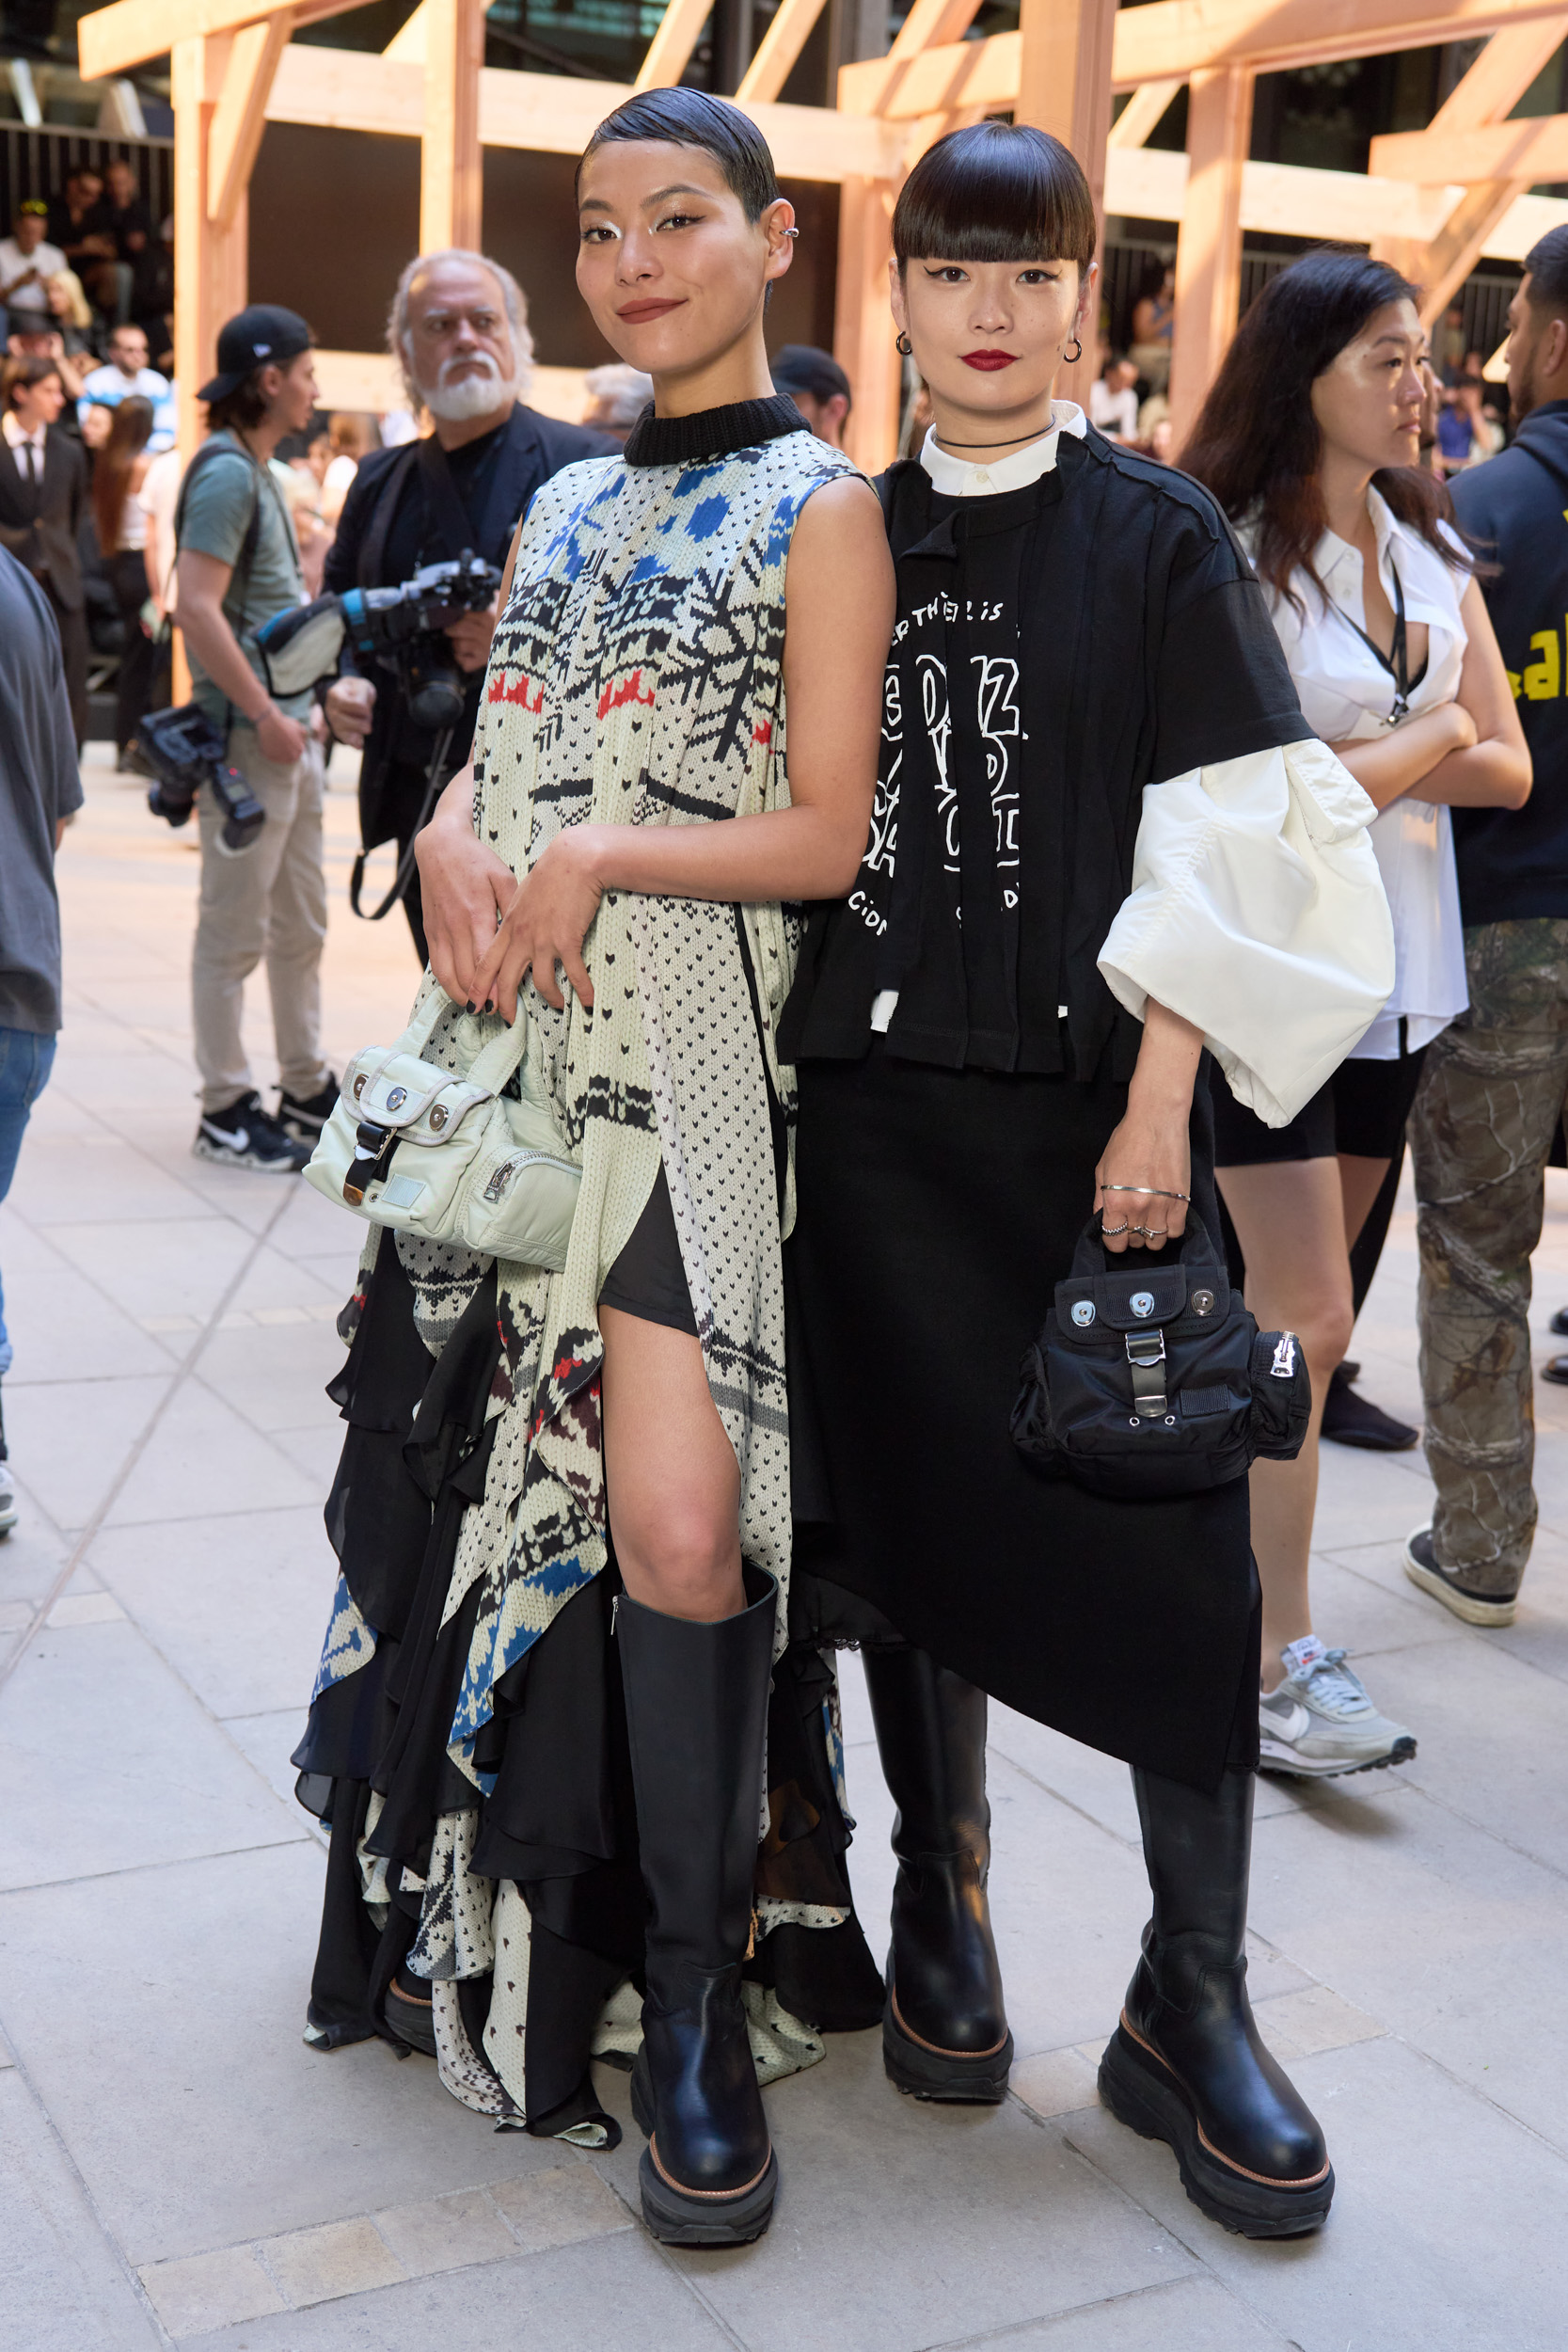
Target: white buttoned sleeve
x: 1257, y: 914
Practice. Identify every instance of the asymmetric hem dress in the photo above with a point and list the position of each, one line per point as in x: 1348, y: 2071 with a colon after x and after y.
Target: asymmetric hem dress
x: 1096, y: 786
x: 467, y: 1742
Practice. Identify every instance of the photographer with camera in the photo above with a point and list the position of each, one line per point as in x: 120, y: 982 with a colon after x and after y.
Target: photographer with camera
x: 263, y: 888
x: 459, y: 331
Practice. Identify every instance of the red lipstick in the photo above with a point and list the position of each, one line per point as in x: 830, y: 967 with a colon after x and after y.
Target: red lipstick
x: 989, y: 361
x: 639, y: 313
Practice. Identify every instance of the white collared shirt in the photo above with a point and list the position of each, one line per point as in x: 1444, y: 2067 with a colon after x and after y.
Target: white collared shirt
x: 958, y: 478
x: 1346, y: 696
x: 30, y: 467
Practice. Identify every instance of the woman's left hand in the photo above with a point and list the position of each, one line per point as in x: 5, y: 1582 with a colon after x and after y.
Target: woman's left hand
x: 1148, y: 1152
x: 544, y: 926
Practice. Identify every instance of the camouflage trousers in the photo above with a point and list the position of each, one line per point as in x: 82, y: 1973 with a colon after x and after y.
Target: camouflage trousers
x: 1491, y: 1097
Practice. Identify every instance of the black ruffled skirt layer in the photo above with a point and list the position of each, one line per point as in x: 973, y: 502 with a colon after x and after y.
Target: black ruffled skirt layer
x: 558, y: 1817
x: 937, y: 1209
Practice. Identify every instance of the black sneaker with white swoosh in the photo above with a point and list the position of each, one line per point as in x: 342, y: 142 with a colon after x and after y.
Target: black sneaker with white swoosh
x: 246, y: 1136
x: 303, y: 1117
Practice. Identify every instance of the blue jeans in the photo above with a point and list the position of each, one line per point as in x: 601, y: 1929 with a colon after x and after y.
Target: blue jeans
x: 25, y: 1061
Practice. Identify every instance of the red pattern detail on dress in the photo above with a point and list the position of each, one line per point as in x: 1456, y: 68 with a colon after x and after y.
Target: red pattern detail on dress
x: 763, y: 731
x: 613, y: 696
x: 501, y: 692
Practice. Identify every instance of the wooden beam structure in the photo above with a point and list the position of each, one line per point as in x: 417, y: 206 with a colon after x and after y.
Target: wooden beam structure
x: 1209, y: 245
x: 451, y: 184
x: 1064, y: 87
x: 1435, y: 201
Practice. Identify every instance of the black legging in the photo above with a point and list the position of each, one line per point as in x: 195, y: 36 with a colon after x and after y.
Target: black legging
x: 127, y: 573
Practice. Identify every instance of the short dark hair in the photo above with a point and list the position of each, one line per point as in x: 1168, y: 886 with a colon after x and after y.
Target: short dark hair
x: 996, y: 192
x: 1546, y: 267
x: 26, y: 371
x: 243, y: 409
x: 1257, y: 444
x: 802, y: 368
x: 689, y: 118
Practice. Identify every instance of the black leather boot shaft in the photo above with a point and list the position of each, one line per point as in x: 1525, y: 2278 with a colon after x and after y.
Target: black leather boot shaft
x: 1187, y: 2063
x: 942, y: 1972
x: 696, y: 1698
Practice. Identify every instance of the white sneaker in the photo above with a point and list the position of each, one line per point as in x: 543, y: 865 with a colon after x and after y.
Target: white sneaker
x: 8, y: 1499
x: 1321, y: 1723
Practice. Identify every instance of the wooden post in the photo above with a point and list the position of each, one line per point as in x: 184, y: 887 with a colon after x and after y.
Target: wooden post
x: 210, y: 256
x: 452, y: 189
x: 863, y: 323
x: 1208, y: 244
x: 1064, y: 87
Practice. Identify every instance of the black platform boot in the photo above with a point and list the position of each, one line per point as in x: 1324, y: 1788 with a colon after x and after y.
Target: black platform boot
x: 945, y: 2030
x: 1187, y: 2064
x: 696, y: 1712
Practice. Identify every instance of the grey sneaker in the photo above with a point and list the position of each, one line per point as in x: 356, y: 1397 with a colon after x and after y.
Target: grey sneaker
x: 8, y: 1499
x: 1421, y: 1566
x: 1321, y: 1723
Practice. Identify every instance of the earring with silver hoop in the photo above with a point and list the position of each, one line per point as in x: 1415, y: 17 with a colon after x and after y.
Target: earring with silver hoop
x: 902, y: 345
x: 1073, y: 356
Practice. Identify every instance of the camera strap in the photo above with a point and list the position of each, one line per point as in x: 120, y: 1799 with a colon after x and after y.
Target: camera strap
x: 435, y: 781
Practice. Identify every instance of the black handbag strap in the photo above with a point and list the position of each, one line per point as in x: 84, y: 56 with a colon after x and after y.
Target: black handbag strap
x: 1198, y: 1251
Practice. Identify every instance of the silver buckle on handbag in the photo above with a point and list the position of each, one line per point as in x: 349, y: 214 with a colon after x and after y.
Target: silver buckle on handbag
x: 1146, y: 1354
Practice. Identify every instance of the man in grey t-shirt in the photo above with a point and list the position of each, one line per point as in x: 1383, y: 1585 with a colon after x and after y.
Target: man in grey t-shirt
x: 39, y: 788
x: 237, y: 566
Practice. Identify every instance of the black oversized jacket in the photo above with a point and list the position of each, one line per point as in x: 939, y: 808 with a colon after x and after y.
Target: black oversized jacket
x: 1145, y: 649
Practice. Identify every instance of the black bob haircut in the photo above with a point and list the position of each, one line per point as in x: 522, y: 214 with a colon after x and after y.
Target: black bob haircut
x: 689, y: 118
x: 996, y: 192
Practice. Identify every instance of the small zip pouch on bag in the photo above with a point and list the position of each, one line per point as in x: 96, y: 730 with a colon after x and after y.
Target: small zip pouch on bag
x: 447, y: 1154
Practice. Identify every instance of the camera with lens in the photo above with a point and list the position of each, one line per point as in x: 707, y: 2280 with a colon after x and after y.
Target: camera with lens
x: 183, y: 750
x: 400, y: 629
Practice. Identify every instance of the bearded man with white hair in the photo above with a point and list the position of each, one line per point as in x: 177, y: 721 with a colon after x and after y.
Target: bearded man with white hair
x: 458, y: 331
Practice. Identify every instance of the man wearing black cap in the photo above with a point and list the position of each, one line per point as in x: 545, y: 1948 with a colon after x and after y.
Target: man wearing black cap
x: 817, y: 385
x: 238, y: 565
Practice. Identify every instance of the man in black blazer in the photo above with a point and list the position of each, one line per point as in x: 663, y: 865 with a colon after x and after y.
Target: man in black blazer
x: 459, y: 332
x: 44, y: 497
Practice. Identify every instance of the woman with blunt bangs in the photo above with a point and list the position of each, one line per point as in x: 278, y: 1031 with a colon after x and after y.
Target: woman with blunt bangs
x: 541, y: 1725
x: 1309, y: 439
x: 1104, y: 845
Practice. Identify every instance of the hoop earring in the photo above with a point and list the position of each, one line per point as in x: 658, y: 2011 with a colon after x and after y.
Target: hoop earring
x: 903, y: 346
x: 1075, y: 354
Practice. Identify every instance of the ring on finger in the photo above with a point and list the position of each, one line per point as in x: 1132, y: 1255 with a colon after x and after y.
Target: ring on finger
x: 1115, y: 1229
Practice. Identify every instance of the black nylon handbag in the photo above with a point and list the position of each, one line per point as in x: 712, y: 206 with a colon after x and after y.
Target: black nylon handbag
x: 1157, y: 1382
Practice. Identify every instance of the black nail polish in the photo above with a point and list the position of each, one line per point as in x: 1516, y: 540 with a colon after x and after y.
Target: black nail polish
x: 469, y: 1006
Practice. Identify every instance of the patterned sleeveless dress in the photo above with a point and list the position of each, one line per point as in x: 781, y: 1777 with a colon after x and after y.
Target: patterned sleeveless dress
x: 635, y: 678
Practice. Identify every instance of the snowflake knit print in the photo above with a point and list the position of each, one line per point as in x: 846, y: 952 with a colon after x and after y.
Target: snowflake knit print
x: 636, y: 678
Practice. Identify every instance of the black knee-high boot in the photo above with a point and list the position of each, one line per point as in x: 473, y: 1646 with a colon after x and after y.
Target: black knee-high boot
x: 696, y: 1712
x: 945, y: 2029
x: 1187, y: 2063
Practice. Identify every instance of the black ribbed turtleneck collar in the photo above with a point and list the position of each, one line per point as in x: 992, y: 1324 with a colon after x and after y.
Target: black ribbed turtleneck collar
x: 711, y: 432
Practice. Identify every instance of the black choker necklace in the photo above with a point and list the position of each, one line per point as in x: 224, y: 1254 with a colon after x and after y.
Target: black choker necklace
x: 1021, y: 443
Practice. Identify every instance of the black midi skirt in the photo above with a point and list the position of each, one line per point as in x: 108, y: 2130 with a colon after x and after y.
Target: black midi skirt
x: 937, y: 1209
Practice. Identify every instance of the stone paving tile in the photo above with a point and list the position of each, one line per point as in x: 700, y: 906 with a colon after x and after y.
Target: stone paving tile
x: 446, y: 2232
x: 1448, y: 1938
x: 558, y: 2207
x: 161, y: 2010
x: 335, y: 2259
x: 59, y: 1322
x: 1445, y: 2234
x: 613, y: 2296
x: 62, y: 2286
x: 1194, y: 2316
x: 1054, y: 2082
x: 204, y: 1458
x: 192, y: 1586
x: 176, y: 1266
x: 211, y: 2291
x: 274, y: 1368
x: 898, y: 2219
x: 108, y: 1763
x: 68, y: 1438
x: 268, y: 1741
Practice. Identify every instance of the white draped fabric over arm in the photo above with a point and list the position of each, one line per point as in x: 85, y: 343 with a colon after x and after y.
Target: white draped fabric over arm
x: 1257, y: 914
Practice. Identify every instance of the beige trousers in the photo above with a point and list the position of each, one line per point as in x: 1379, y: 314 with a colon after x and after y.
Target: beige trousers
x: 268, y: 902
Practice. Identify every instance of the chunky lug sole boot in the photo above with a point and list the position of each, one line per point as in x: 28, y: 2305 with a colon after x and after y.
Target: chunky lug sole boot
x: 1187, y: 2064
x: 696, y: 1712
x: 944, y: 2028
